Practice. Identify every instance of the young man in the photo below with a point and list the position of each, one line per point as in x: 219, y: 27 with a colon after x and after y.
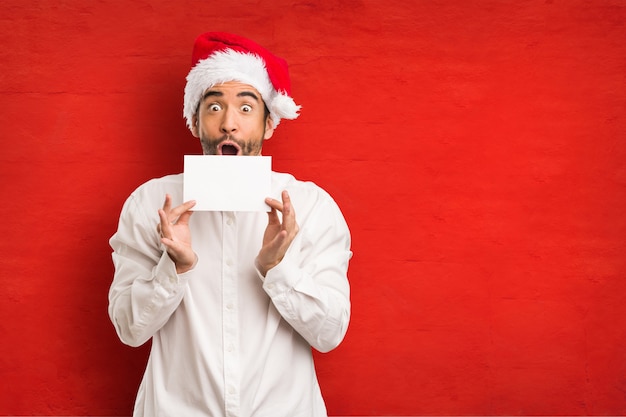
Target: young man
x: 233, y: 301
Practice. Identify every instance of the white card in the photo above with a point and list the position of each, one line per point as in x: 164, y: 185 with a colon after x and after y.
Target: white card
x: 227, y: 183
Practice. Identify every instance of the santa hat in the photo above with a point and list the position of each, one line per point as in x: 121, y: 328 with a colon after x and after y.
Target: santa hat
x: 221, y: 57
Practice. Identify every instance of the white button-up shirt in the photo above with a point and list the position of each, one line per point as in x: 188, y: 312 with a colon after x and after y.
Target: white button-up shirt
x: 225, y: 340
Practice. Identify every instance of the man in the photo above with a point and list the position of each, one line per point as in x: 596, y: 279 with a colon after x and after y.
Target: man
x: 233, y: 301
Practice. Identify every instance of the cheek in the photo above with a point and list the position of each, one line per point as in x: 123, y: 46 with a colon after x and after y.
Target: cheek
x: 204, y: 127
x: 208, y: 132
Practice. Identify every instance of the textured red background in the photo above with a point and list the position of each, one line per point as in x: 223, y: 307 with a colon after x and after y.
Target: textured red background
x: 476, y: 149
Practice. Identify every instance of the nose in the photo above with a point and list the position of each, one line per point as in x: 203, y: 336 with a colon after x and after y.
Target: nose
x: 229, y: 122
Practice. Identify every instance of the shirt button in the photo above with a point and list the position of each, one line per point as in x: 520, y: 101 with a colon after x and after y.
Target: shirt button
x: 229, y: 262
x: 229, y: 306
x: 229, y: 221
x: 231, y: 390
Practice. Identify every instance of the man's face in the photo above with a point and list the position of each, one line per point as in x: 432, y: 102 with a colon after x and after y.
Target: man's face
x: 231, y: 120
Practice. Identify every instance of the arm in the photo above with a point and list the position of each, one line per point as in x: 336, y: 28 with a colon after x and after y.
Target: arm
x: 149, y: 281
x: 305, y: 271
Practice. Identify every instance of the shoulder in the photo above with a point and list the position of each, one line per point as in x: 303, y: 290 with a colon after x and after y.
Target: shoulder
x: 156, y: 184
x: 311, y: 202
x: 306, y: 191
x: 158, y: 187
x: 150, y: 195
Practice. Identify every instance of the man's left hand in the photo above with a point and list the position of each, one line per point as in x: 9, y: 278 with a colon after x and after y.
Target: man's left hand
x: 278, y: 236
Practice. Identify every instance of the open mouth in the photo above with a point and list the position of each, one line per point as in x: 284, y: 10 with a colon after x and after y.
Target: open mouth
x: 228, y: 149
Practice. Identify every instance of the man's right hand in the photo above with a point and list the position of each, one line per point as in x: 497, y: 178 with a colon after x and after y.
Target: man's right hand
x: 175, y: 234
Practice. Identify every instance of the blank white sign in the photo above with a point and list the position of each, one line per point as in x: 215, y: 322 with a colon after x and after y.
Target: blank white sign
x: 227, y: 183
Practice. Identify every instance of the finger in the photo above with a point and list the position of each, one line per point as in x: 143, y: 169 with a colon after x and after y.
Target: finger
x: 289, y: 214
x: 274, y: 204
x: 174, y: 249
x: 172, y: 246
x: 184, y: 218
x: 167, y: 205
x: 273, y: 217
x: 176, y: 212
x: 164, y: 226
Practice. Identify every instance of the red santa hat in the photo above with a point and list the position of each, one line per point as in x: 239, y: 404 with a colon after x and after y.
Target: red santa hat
x: 221, y: 57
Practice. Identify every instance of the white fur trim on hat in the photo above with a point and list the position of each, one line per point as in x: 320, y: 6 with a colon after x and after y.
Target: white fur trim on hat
x: 230, y: 65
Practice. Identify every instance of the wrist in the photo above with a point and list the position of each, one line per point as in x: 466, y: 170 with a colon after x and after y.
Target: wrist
x: 263, y: 268
x: 181, y: 268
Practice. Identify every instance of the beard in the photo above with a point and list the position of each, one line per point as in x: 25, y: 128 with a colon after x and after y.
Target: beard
x: 230, y: 145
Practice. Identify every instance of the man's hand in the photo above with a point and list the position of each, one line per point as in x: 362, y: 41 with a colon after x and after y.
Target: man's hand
x: 277, y: 237
x: 175, y: 234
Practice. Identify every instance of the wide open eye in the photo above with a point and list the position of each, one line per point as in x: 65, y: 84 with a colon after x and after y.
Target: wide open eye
x: 246, y: 108
x: 215, y: 107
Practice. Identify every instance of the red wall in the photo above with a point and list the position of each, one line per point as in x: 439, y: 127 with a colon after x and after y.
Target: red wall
x: 477, y: 149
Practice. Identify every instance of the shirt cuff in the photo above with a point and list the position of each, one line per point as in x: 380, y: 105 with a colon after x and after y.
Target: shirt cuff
x: 165, y: 274
x: 281, y: 278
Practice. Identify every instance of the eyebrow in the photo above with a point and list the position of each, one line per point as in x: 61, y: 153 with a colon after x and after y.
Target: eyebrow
x: 214, y: 93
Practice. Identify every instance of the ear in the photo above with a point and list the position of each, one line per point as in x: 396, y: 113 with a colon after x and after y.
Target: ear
x: 269, y: 128
x: 194, y: 126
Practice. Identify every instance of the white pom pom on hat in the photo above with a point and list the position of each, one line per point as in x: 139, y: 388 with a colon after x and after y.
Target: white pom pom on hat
x: 220, y: 57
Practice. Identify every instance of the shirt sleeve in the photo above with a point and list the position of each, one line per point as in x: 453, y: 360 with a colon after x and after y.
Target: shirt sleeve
x: 146, y: 289
x: 309, y: 287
